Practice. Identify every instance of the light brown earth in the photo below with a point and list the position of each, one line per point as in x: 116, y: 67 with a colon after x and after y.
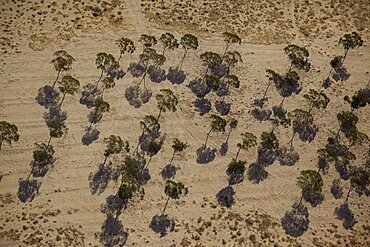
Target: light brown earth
x: 65, y: 213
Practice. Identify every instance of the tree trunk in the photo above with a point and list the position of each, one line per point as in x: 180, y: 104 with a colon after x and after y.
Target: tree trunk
x: 282, y: 101
x: 268, y: 86
x: 182, y: 59
x: 61, y: 102
x: 1, y: 143
x: 228, y: 135
x: 290, y: 67
x: 165, y: 205
x: 344, y: 57
x: 147, y: 164
x: 159, y: 114
x: 205, y: 143
x: 173, y: 156
x: 56, y: 79
x: 291, y: 141
x: 119, y: 58
x: 300, y: 200
x: 237, y: 153
x: 331, y: 70
x: 29, y: 175
x: 349, y: 191
x: 101, y: 76
x: 311, y: 107
x: 138, y: 144
x: 49, y: 141
x: 105, y: 160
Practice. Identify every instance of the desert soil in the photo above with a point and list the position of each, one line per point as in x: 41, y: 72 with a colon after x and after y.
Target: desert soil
x: 66, y: 213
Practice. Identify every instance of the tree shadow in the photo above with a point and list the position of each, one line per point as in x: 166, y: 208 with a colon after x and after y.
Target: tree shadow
x: 169, y: 171
x: 176, y: 75
x: 313, y: 198
x: 327, y: 82
x: 224, y: 148
x: 203, y: 105
x: 222, y: 107
x: 266, y: 157
x: 90, y: 136
x: 55, y: 114
x: 99, y: 180
x: 306, y: 133
x: 289, y: 86
x: 261, y: 114
x: 225, y: 197
x: 136, y: 97
x: 235, y: 178
x: 113, y: 205
x: 336, y: 189
x: 287, y: 157
x: 95, y: 116
x: 323, y: 165
x: 199, y: 87
x: 340, y: 74
x: 47, y: 96
x: 115, y: 73
x: 205, y: 154
x: 336, y: 146
x: 112, y: 233
x: 342, y: 167
x: 156, y: 74
x: 256, y: 173
x: 136, y: 69
x: 345, y: 214
x: 219, y: 70
x: 223, y: 89
x: 89, y: 95
x: 28, y: 189
x: 40, y: 168
x: 161, y: 223
x: 296, y: 221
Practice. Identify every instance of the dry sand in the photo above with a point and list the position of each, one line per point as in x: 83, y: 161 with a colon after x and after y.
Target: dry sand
x: 65, y: 213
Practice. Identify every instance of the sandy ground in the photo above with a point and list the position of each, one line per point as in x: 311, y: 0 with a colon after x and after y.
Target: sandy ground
x: 66, y: 213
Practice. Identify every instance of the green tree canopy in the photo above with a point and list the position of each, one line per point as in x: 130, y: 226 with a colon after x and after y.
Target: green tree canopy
x: 8, y: 133
x: 310, y: 180
x: 316, y: 99
x: 168, y: 41
x: 298, y: 57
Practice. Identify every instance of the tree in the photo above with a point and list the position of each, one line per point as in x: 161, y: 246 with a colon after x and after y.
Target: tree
x: 210, y: 60
x: 325, y: 156
x: 359, y: 180
x: 125, y: 45
x: 356, y: 137
x: 174, y: 190
x: 231, y: 58
x: 309, y: 181
x: 233, y: 123
x: 334, y: 63
x: 62, y: 62
x: 360, y: 99
x: 302, y: 120
x: 348, y: 120
x: 230, y: 38
x: 187, y: 42
x: 8, y: 133
x: 114, y: 145
x: 43, y: 155
x: 269, y: 140
x: 57, y: 128
x: 108, y: 83
x: 149, y: 124
x: 217, y: 124
x: 280, y: 117
x: 350, y: 41
x: 105, y: 62
x: 235, y: 171
x: 316, y: 99
x: 68, y: 85
x: 298, y: 57
x: 147, y: 41
x: 166, y: 100
x: 169, y: 42
x: 130, y: 180
x: 249, y: 141
x: 178, y: 146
